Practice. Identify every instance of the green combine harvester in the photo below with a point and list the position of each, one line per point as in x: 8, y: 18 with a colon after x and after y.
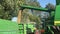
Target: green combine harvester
x: 57, y: 16
x: 9, y: 27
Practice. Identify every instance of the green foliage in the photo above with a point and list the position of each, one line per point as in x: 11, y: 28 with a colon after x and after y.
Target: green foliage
x: 33, y: 3
x: 7, y: 9
x: 50, y: 6
x: 57, y: 2
x: 1, y: 10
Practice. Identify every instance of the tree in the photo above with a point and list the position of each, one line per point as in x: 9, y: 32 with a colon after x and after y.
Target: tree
x: 50, y: 19
x: 50, y: 6
x: 10, y: 8
x: 33, y: 3
x: 57, y: 2
x: 1, y: 11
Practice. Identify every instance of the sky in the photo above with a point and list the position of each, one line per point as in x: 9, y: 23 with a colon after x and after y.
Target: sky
x: 43, y: 3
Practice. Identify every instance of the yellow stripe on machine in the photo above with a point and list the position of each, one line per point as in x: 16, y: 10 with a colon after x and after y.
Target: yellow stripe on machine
x: 56, y: 22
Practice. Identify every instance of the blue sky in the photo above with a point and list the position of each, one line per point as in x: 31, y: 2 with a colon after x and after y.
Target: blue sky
x: 44, y: 2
